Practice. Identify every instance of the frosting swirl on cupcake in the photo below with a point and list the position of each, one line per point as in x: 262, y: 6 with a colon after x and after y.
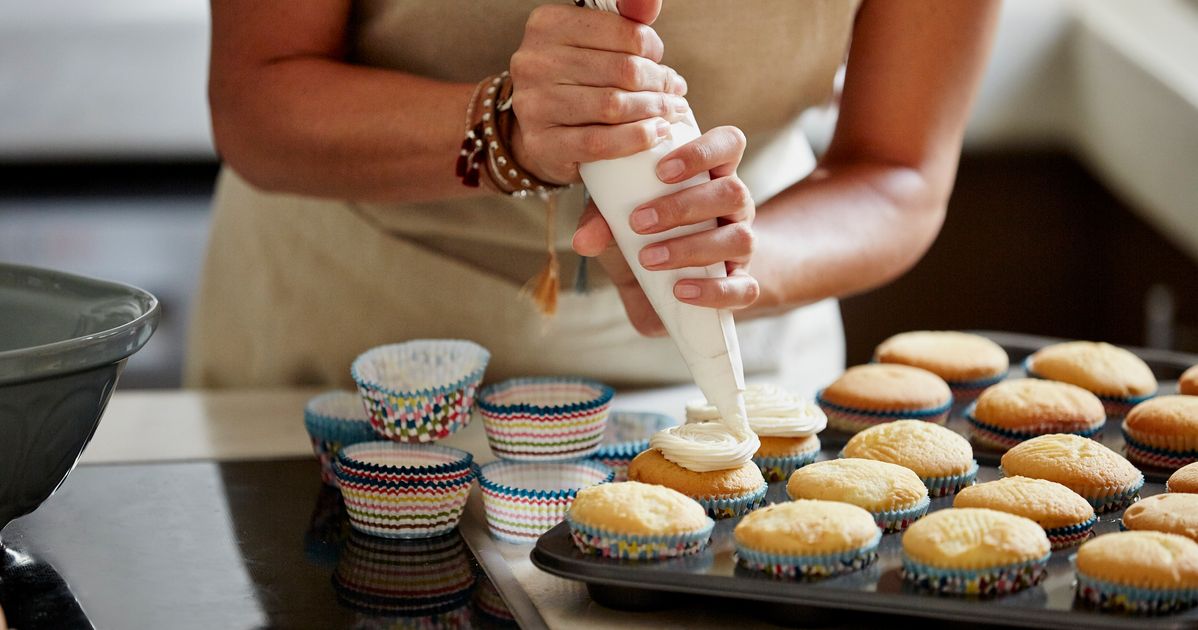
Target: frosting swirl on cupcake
x: 772, y: 411
x: 704, y: 446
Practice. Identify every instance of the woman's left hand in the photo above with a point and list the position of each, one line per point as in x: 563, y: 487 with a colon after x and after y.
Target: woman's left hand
x: 725, y: 198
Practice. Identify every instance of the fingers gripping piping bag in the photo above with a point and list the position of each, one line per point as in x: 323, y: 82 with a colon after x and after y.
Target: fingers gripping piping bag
x: 705, y: 337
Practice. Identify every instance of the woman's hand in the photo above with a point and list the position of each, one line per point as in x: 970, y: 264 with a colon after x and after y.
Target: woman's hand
x: 725, y: 198
x: 589, y: 85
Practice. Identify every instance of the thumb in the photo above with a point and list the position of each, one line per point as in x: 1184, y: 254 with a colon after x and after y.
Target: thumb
x: 643, y: 11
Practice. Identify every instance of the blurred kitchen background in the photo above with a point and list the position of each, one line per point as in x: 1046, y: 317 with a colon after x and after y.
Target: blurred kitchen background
x: 1075, y: 212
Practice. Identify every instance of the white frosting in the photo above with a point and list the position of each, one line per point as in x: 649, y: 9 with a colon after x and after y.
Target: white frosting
x: 704, y: 446
x: 772, y: 411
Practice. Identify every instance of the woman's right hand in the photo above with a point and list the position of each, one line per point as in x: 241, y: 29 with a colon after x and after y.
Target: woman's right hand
x: 587, y: 86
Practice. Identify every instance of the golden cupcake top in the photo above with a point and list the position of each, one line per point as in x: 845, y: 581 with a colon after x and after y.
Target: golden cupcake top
x: 1099, y: 367
x: 926, y: 448
x: 1029, y: 402
x: 1184, y: 479
x: 873, y: 485
x: 631, y: 507
x: 1165, y: 415
x: 1143, y: 559
x: 974, y: 538
x: 951, y: 355
x: 1050, y: 504
x: 1172, y: 512
x: 652, y: 467
x: 1188, y: 383
x: 885, y: 387
x: 806, y: 528
x: 1071, y: 460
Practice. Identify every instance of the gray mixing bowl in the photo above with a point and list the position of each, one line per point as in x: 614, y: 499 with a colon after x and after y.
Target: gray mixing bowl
x: 64, y: 340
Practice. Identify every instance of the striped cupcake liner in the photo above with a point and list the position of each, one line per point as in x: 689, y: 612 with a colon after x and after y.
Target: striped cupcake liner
x: 814, y: 566
x: 597, y: 541
x: 781, y: 468
x: 523, y: 500
x: 968, y: 391
x: 950, y: 484
x: 1156, y: 456
x: 1116, y: 501
x: 489, y: 603
x: 388, y: 462
x: 1003, y: 439
x: 545, y: 419
x: 1115, y: 406
x: 1112, y: 597
x: 404, y: 578
x: 626, y: 436
x: 1064, y: 537
x: 890, y: 521
x: 334, y: 420
x: 731, y: 507
x: 988, y: 582
x: 854, y: 420
x: 420, y: 391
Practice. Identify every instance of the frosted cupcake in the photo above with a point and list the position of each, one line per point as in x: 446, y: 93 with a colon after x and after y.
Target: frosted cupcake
x: 1067, y: 518
x: 1023, y: 408
x: 1121, y: 379
x: 1101, y: 476
x: 894, y: 495
x: 785, y: 424
x: 868, y: 395
x: 942, y: 458
x: 1138, y: 572
x: 638, y: 521
x: 968, y: 363
x: 807, y: 538
x: 975, y: 551
x: 706, y: 462
x: 1163, y: 432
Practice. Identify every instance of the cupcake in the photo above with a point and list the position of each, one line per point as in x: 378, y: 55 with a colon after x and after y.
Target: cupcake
x: 626, y: 435
x: 807, y: 538
x: 1067, y: 518
x: 1023, y: 408
x: 1184, y: 479
x: 637, y: 521
x: 335, y: 420
x: 975, y: 551
x: 722, y: 493
x: 786, y: 425
x: 868, y: 395
x: 1172, y: 513
x: 968, y: 363
x: 942, y: 458
x: 1101, y: 476
x: 1138, y: 572
x: 895, y: 496
x: 1163, y: 432
x: 1121, y: 379
x: 1188, y: 383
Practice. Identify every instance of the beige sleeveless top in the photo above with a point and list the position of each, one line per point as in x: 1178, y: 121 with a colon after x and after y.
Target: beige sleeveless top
x: 295, y: 287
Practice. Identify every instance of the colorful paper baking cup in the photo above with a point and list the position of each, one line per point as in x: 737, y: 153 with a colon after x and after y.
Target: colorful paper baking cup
x: 608, y: 544
x: 545, y: 418
x: 523, y: 500
x: 812, y: 566
x: 1147, y: 455
x: 420, y: 391
x: 950, y: 484
x: 1115, y: 406
x: 335, y: 420
x: 854, y: 420
x: 987, y: 582
x: 967, y: 391
x: 1113, y: 502
x: 1112, y: 597
x: 1001, y: 438
x: 731, y: 507
x: 1071, y: 535
x: 404, y: 490
x: 890, y: 521
x: 780, y: 468
x: 628, y: 434
x: 408, y: 578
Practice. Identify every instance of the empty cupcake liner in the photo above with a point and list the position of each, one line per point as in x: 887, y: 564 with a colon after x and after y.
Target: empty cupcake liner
x: 1115, y: 406
x: 781, y: 468
x: 334, y: 420
x: 854, y: 420
x: 628, y: 434
x: 821, y: 565
x: 890, y: 521
x: 523, y: 500
x: 1112, y: 597
x: 608, y: 544
x: 404, y: 578
x: 420, y: 391
x: 950, y: 484
x: 1158, y: 456
x: 545, y: 418
x: 390, y: 462
x: 729, y: 507
x: 988, y: 582
x: 1063, y: 537
x: 1003, y: 438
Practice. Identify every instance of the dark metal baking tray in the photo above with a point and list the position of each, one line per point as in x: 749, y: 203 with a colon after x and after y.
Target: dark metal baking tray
x: 878, y: 588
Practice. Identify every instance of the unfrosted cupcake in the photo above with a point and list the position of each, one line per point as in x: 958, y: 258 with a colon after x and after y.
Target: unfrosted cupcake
x: 968, y: 363
x: 1101, y: 476
x: 724, y: 493
x: 1184, y: 479
x: 638, y: 521
x: 1067, y: 518
x: 1023, y: 408
x: 1138, y: 572
x: 1188, y: 383
x: 942, y: 458
x: 1121, y: 379
x: 1163, y: 432
x: 786, y: 425
x: 975, y: 551
x: 868, y: 395
x: 1172, y: 513
x: 894, y: 495
x: 807, y: 538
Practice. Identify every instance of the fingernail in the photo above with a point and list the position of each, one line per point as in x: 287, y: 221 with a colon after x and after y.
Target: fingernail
x: 643, y: 219
x: 668, y: 170
x: 663, y: 129
x: 677, y: 83
x: 654, y: 255
x: 681, y: 106
x: 686, y: 291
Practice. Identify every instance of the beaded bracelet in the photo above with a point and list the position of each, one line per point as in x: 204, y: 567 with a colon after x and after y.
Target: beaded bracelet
x: 489, y: 124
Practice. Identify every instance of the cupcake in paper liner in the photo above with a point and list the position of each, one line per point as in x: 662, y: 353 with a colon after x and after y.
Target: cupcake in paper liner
x: 1020, y: 409
x: 1066, y: 517
x: 1139, y: 572
x: 894, y: 495
x: 968, y: 363
x: 523, y: 500
x: 974, y: 552
x: 1163, y: 432
x: 722, y: 493
x: 1184, y: 479
x: 545, y: 418
x: 335, y: 420
x: 1171, y: 512
x: 414, y: 579
x: 628, y: 434
x: 941, y: 457
x: 637, y: 521
x: 868, y: 395
x: 785, y: 424
x: 1101, y: 476
x: 1118, y: 377
x: 807, y: 538
x: 420, y: 391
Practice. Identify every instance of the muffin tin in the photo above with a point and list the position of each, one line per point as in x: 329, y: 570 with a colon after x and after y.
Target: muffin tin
x: 878, y: 588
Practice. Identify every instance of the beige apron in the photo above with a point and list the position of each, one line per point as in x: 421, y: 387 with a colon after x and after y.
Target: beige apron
x: 295, y: 287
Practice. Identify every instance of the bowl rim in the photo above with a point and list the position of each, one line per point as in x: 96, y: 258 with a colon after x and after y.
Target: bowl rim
x: 100, y: 348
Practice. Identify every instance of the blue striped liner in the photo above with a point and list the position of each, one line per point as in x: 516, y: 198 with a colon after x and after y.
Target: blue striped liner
x: 1156, y: 450
x: 343, y: 430
x: 821, y: 564
x: 981, y: 383
x: 942, y: 486
x: 499, y: 488
x: 460, y: 459
x: 784, y: 465
x: 489, y: 392
x: 915, y: 414
x: 649, y: 546
x: 889, y: 520
x: 1073, y: 529
x: 1117, y: 501
x: 728, y: 507
x: 422, y: 345
x: 1135, y: 598
x: 950, y: 581
x: 1024, y: 435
